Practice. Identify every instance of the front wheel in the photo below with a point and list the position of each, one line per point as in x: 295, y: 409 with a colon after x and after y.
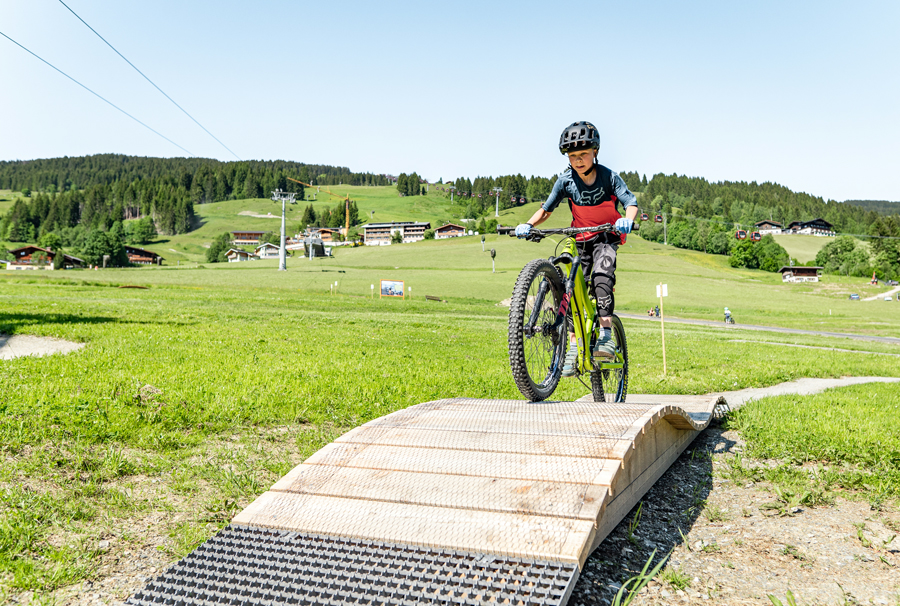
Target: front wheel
x: 536, y: 340
x: 609, y: 379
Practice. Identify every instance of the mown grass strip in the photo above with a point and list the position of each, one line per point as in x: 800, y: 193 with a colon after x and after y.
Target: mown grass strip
x: 842, y: 440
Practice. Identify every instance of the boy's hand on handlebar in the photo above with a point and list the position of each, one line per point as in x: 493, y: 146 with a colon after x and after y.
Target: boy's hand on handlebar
x: 624, y: 225
x: 523, y: 230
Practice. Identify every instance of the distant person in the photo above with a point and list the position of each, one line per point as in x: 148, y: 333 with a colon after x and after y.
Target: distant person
x: 728, y: 319
x: 593, y: 193
x: 656, y: 310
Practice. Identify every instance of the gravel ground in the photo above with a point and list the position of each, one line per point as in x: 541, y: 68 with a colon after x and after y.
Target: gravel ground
x: 734, y: 552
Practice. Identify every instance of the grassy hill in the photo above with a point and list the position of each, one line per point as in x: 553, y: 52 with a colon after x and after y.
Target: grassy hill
x: 7, y: 198
x: 374, y: 203
x: 802, y: 248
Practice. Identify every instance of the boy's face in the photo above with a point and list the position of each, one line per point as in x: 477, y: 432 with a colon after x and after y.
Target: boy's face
x: 582, y: 160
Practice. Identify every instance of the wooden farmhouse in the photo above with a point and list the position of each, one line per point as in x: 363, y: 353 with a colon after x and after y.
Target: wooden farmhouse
x: 816, y: 227
x: 246, y: 238
x: 800, y: 273
x: 450, y: 230
x: 235, y: 255
x: 326, y: 234
x: 140, y: 256
x: 267, y: 250
x: 35, y: 257
x: 768, y: 227
x: 380, y: 234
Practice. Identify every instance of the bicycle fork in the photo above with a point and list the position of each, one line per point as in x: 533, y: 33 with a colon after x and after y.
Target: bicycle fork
x: 583, y: 314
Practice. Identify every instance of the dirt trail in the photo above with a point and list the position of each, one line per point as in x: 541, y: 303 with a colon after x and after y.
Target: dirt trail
x: 802, y: 387
x: 16, y: 346
x: 883, y: 295
x: 797, y: 331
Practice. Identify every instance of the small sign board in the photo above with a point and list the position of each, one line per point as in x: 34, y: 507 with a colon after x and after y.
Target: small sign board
x: 662, y: 290
x: 392, y: 288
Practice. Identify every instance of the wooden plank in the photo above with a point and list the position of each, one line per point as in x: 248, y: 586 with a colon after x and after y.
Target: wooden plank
x: 523, y: 407
x: 483, y: 493
x: 510, y: 423
x: 514, y: 535
x: 534, y: 444
x: 460, y: 462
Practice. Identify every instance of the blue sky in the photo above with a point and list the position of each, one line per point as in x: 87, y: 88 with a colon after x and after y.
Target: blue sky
x: 801, y: 93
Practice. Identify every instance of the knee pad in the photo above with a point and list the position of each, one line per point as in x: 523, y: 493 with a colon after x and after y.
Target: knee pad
x: 603, y: 291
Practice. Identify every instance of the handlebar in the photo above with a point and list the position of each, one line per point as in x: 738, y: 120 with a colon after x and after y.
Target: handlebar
x: 539, y: 234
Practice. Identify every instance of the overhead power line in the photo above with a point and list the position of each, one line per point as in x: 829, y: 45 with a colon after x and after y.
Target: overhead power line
x: 105, y: 100
x: 148, y: 79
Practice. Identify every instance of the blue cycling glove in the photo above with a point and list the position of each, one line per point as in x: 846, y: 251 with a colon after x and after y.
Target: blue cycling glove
x: 624, y: 225
x: 523, y: 230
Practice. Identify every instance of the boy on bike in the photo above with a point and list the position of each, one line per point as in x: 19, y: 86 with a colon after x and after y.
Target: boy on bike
x: 592, y: 191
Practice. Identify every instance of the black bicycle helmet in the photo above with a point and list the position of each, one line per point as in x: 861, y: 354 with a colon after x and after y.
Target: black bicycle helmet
x: 579, y: 135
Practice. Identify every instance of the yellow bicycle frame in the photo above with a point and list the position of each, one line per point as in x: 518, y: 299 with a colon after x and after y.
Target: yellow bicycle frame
x: 583, y: 309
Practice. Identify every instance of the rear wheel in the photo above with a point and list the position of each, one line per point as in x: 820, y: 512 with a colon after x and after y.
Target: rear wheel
x: 611, y: 384
x: 536, y: 343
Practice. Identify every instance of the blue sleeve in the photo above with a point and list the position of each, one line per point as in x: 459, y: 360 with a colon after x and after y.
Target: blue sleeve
x: 622, y: 192
x: 557, y: 195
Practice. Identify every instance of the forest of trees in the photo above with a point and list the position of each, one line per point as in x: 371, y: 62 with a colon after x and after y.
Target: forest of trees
x: 478, y: 198
x: 330, y: 217
x: 212, y: 180
x: 96, y: 191
x: 72, y: 200
x: 703, y: 216
x: 882, y: 207
x: 410, y: 185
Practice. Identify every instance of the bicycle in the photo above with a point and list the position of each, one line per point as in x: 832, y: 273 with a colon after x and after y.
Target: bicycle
x: 547, y: 293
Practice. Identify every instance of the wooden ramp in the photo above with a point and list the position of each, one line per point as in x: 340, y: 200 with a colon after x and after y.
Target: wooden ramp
x: 483, y: 481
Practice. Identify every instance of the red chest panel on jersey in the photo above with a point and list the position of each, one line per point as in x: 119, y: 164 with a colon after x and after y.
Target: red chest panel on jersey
x: 590, y: 216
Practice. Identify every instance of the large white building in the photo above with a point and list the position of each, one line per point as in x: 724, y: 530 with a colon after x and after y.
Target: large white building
x: 380, y: 234
x: 816, y: 227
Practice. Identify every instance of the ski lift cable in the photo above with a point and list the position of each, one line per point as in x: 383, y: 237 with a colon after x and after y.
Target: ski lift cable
x: 149, y: 80
x: 96, y: 94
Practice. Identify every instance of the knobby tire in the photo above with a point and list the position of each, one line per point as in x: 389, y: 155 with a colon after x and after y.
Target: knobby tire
x: 612, y: 385
x: 536, y: 359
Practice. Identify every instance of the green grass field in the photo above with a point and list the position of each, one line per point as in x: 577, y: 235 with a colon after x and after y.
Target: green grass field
x: 831, y: 444
x: 699, y: 285
x: 7, y: 199
x: 803, y: 248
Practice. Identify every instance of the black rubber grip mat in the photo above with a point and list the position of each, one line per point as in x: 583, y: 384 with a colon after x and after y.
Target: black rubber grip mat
x: 246, y: 565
